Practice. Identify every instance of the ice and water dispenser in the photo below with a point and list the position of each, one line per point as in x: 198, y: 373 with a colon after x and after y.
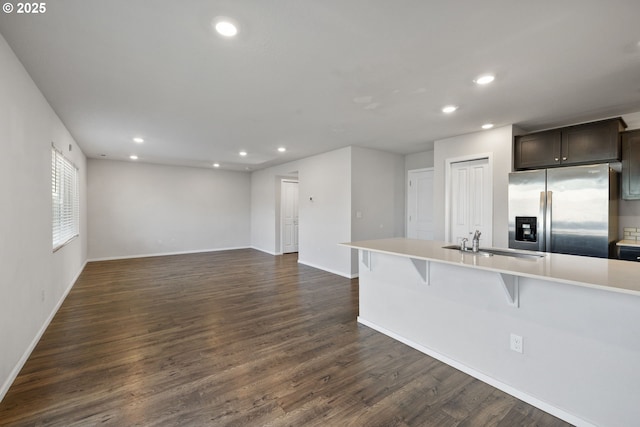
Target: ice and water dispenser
x: 526, y: 229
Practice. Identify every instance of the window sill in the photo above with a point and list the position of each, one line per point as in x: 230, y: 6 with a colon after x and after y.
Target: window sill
x: 61, y: 245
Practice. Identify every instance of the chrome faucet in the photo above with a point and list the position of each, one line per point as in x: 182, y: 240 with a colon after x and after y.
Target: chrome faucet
x: 475, y: 243
x: 463, y: 244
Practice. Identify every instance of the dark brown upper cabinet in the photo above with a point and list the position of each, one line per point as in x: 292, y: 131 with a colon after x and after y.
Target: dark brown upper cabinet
x: 537, y: 150
x: 631, y: 165
x: 596, y: 142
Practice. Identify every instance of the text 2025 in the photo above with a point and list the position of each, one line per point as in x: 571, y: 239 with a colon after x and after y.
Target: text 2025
x: 31, y: 7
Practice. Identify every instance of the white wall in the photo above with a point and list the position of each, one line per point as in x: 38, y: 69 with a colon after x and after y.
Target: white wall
x: 377, y: 195
x: 499, y: 143
x: 377, y: 187
x: 138, y: 209
x: 420, y: 160
x: 325, y: 221
x: 341, y: 182
x: 33, y: 279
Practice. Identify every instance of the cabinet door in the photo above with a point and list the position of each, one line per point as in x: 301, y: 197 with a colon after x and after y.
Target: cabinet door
x: 631, y: 165
x: 537, y: 150
x: 591, y: 143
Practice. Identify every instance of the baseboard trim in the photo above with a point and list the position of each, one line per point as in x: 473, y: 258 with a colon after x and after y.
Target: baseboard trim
x: 197, y: 251
x: 266, y: 251
x: 25, y: 356
x: 328, y: 270
x: 556, y: 412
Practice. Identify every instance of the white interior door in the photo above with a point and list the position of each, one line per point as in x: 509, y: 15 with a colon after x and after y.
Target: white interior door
x: 289, y: 209
x: 471, y: 201
x: 420, y: 204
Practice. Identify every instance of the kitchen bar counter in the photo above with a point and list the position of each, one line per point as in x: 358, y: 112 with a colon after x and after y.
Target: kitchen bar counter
x: 605, y: 274
x: 576, y: 319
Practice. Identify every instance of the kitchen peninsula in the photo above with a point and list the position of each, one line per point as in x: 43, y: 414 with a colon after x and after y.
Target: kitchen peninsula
x: 577, y: 320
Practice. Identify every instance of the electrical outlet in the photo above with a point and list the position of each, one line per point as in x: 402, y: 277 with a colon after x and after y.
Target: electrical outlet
x: 516, y: 343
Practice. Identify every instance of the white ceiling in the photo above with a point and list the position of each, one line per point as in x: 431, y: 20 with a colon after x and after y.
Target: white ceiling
x: 319, y: 75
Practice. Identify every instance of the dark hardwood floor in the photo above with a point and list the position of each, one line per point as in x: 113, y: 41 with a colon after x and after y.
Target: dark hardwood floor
x: 236, y: 338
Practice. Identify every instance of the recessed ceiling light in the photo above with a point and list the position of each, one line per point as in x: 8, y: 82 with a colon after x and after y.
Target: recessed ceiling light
x: 282, y: 149
x: 133, y: 157
x: 216, y: 165
x: 243, y: 153
x: 138, y: 140
x: 449, y: 108
x: 485, y: 79
x: 225, y: 27
x: 487, y: 126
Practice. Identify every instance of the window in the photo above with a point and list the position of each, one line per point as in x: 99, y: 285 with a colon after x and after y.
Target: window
x: 64, y: 199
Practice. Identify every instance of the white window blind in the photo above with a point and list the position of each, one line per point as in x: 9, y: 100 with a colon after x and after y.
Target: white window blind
x: 64, y: 198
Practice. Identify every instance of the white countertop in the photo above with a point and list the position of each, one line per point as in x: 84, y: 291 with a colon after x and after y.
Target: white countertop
x: 632, y: 243
x: 606, y: 274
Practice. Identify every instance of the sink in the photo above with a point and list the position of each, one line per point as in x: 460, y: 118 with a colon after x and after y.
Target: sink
x: 503, y: 252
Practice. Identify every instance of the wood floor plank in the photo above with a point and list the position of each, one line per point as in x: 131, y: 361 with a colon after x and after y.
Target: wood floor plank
x: 236, y: 338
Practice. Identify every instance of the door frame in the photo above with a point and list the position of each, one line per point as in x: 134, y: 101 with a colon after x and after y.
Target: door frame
x: 282, y: 181
x: 406, y: 217
x: 447, y: 188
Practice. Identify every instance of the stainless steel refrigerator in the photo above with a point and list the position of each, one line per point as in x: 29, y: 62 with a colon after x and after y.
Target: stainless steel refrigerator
x: 568, y: 210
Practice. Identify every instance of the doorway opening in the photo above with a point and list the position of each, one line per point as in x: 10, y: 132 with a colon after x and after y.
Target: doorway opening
x: 289, y: 216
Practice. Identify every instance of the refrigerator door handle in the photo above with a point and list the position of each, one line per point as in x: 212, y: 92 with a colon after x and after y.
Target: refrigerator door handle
x: 541, y: 221
x: 549, y: 215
